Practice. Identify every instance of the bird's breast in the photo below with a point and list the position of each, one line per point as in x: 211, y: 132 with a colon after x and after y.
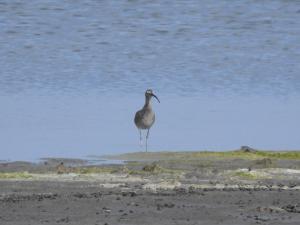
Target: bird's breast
x: 144, y: 119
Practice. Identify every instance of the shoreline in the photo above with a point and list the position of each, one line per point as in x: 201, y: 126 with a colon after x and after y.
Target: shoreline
x: 187, y: 169
x: 154, y: 188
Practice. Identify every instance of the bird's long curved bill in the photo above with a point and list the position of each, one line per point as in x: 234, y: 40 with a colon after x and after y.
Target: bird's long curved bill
x: 155, y: 97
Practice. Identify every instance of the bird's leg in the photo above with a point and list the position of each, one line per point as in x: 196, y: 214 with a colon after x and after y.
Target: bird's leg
x: 141, y: 140
x: 147, y: 139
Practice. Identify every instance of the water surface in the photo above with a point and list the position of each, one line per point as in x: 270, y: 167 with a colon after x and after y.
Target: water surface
x: 73, y: 73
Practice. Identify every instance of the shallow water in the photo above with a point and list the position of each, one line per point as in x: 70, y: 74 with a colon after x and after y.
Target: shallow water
x: 73, y: 73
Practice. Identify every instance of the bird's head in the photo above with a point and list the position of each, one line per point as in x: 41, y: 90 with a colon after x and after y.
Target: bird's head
x: 149, y: 94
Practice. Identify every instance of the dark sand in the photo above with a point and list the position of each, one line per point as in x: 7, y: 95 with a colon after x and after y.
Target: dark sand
x: 153, y: 195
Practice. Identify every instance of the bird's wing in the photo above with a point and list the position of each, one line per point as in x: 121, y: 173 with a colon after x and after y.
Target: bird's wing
x: 138, y: 116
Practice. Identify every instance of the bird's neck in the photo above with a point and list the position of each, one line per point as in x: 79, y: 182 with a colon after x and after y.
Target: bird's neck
x: 147, y: 102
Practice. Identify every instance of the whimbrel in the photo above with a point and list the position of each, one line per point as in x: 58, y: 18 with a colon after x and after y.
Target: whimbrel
x: 145, y: 117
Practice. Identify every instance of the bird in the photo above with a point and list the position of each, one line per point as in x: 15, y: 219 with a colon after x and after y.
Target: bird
x: 145, y: 117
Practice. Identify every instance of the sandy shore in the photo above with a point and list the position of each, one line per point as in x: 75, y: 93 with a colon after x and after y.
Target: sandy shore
x: 174, y: 189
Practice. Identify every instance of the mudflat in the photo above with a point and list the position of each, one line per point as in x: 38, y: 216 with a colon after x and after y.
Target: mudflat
x: 154, y: 188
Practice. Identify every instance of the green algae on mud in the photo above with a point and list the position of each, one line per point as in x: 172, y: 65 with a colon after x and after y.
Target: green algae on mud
x: 153, y: 169
x: 15, y: 175
x: 194, y: 166
x: 245, y: 175
x: 146, y: 169
x: 94, y: 169
x: 238, y: 154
